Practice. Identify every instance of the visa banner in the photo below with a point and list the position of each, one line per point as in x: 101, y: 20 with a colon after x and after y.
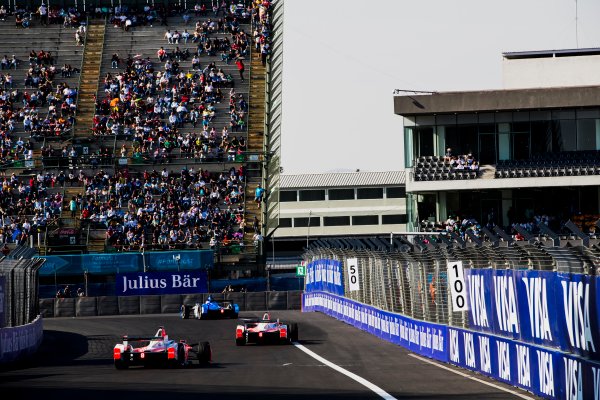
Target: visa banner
x: 557, y: 310
x: 158, y: 283
x: 546, y: 372
x: 422, y: 337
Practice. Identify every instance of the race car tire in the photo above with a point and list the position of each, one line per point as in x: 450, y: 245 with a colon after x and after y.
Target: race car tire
x: 180, y: 356
x: 204, y: 353
x: 184, y: 312
x: 234, y: 315
x: 293, y: 332
x: 119, y: 364
x: 240, y: 342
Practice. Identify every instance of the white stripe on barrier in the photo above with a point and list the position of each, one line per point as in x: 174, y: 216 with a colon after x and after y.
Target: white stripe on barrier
x: 382, y: 393
x: 515, y: 393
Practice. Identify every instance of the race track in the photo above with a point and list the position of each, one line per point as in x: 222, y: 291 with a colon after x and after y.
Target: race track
x: 75, y: 362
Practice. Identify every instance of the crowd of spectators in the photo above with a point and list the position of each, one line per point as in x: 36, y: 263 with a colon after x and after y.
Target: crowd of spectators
x: 149, y: 105
x: 461, y: 162
x: 26, y: 206
x: 166, y: 210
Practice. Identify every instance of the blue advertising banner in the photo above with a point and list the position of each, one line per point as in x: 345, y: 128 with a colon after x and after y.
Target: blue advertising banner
x: 325, y: 276
x: 158, y: 283
x: 545, y: 372
x: 577, y: 298
x: 2, y: 301
x: 420, y: 337
x: 557, y: 310
x: 20, y: 341
x: 119, y: 263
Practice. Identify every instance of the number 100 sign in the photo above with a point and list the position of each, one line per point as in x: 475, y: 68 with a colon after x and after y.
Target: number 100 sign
x: 456, y: 280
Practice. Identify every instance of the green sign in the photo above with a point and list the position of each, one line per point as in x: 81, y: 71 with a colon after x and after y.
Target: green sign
x: 300, y: 270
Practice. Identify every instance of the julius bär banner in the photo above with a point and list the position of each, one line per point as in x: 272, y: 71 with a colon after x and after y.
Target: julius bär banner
x: 158, y: 283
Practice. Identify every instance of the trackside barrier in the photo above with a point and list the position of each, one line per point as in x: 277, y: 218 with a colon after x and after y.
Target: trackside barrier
x: 165, y: 304
x: 543, y: 371
x: 20, y: 341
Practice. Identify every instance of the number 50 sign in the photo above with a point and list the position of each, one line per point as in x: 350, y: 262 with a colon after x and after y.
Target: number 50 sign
x: 456, y: 280
x: 352, y: 265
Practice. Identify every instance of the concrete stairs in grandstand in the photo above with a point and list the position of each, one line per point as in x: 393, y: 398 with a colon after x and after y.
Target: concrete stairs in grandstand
x: 90, y: 75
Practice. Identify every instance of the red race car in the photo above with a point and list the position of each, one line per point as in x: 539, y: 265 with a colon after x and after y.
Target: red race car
x: 265, y: 331
x: 158, y: 351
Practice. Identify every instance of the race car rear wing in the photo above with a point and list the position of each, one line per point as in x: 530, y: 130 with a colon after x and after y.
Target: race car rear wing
x: 141, y: 338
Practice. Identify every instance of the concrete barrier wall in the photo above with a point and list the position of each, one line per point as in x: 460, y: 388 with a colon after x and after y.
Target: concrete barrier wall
x: 165, y: 304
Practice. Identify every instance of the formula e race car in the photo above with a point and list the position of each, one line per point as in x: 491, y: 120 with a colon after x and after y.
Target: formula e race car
x: 158, y: 351
x: 265, y: 331
x: 210, y: 310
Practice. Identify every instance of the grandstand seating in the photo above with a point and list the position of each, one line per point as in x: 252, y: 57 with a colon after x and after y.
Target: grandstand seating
x: 433, y: 168
x: 576, y: 163
x: 88, y: 166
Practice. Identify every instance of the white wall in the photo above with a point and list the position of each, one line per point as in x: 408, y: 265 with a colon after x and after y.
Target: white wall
x: 551, y: 72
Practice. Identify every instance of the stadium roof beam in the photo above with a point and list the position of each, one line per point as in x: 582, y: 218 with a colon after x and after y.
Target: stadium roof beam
x: 474, y: 238
x: 528, y: 236
x: 493, y: 238
x: 505, y: 236
x: 585, y: 239
x: 550, y: 233
x: 458, y: 239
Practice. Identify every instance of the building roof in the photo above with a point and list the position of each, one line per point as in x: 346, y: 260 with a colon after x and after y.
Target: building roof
x: 342, y: 179
x: 590, y: 51
x: 498, y: 100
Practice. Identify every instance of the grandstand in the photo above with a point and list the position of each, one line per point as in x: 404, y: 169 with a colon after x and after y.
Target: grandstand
x: 164, y: 145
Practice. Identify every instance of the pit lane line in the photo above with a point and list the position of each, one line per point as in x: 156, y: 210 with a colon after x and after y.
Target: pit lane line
x: 382, y: 393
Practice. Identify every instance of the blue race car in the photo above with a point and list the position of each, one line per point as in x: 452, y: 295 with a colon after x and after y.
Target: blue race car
x: 211, y: 309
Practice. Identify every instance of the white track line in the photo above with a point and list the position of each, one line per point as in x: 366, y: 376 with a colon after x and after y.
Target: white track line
x: 471, y: 377
x: 349, y: 374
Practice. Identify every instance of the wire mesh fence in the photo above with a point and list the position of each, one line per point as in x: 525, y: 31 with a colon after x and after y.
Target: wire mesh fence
x: 412, y: 280
x: 20, y: 290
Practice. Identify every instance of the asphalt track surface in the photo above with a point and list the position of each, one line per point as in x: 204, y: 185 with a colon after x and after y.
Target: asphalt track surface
x: 75, y: 363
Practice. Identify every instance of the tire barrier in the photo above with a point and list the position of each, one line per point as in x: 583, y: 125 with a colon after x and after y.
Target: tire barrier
x: 108, y: 305
x: 85, y: 307
x: 129, y: 305
x: 20, y: 341
x: 64, y: 307
x: 150, y: 305
x: 170, y: 303
x: 256, y: 301
x: 165, y: 304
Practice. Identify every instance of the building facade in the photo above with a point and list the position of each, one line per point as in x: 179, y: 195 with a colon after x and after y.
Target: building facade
x: 536, y: 150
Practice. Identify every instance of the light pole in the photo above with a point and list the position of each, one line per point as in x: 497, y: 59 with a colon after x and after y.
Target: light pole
x: 308, y: 228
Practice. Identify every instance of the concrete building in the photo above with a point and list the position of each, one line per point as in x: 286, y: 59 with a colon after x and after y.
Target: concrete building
x: 359, y: 204
x: 537, y: 143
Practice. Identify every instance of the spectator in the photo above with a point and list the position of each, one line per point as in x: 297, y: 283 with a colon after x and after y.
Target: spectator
x: 241, y: 68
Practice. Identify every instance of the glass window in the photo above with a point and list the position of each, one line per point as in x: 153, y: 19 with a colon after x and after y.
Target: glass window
x: 586, y: 134
x: 395, y: 192
x: 336, y: 221
x: 541, y: 137
x: 564, y: 135
x: 467, y: 118
x: 341, y: 194
x: 303, y: 222
x: 312, y: 195
x: 369, y: 193
x: 288, y: 195
x: 445, y: 119
x: 285, y: 222
x: 365, y: 220
x: 394, y: 219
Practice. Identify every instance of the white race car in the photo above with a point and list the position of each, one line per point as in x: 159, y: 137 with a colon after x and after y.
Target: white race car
x: 158, y: 350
